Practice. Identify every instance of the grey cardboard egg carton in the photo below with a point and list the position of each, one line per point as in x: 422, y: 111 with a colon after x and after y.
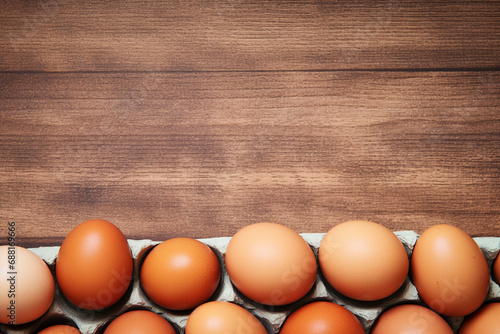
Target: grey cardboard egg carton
x: 91, y: 322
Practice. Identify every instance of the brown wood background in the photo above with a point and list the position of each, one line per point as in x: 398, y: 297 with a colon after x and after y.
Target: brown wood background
x: 196, y: 118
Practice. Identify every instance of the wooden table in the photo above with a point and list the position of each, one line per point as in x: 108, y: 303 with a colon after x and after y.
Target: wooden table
x: 196, y: 118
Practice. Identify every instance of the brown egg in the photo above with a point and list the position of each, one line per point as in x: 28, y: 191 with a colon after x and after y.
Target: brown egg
x: 322, y: 317
x: 486, y: 320
x: 270, y: 263
x: 139, y: 322
x: 94, y: 265
x: 412, y: 319
x: 363, y: 260
x: 180, y: 273
x: 496, y: 269
x: 60, y: 329
x: 223, y: 317
x: 449, y: 271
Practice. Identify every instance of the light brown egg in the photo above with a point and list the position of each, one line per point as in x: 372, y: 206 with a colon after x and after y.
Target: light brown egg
x: 449, y: 271
x: 26, y: 285
x: 270, y: 263
x: 411, y: 319
x: 363, y: 260
x: 219, y: 317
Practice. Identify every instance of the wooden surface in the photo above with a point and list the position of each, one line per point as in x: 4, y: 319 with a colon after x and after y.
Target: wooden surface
x: 196, y: 118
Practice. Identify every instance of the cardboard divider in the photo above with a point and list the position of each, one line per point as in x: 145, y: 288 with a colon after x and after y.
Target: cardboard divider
x: 95, y: 322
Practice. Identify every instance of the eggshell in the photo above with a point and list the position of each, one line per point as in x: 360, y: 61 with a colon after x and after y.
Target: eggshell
x: 26, y: 286
x: 363, y: 260
x: 60, y: 329
x: 486, y: 320
x: 449, y: 271
x: 180, y: 273
x: 270, y: 263
x: 496, y: 269
x: 322, y: 317
x: 94, y: 265
x: 272, y: 317
x: 223, y: 317
x: 139, y: 322
x: 414, y: 319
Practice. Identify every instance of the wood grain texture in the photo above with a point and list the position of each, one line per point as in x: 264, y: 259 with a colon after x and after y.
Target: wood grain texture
x: 204, y: 154
x: 196, y: 118
x: 236, y: 35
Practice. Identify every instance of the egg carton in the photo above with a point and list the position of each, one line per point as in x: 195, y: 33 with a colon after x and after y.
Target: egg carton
x: 95, y: 322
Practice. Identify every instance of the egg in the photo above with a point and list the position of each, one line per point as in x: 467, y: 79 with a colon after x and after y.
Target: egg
x: 139, y: 322
x: 180, y: 273
x: 94, y: 265
x: 270, y: 263
x: 322, y: 317
x: 409, y: 318
x: 449, y: 271
x: 496, y: 269
x: 60, y: 329
x: 26, y: 285
x: 363, y: 260
x: 486, y: 320
x: 218, y: 317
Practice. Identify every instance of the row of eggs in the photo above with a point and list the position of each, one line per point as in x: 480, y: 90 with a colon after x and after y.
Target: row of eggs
x: 268, y: 263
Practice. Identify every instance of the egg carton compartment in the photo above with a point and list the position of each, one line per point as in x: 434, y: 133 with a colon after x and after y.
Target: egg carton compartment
x: 95, y: 322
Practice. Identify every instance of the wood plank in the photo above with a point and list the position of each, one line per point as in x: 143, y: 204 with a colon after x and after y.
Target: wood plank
x: 228, y: 35
x: 204, y: 154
